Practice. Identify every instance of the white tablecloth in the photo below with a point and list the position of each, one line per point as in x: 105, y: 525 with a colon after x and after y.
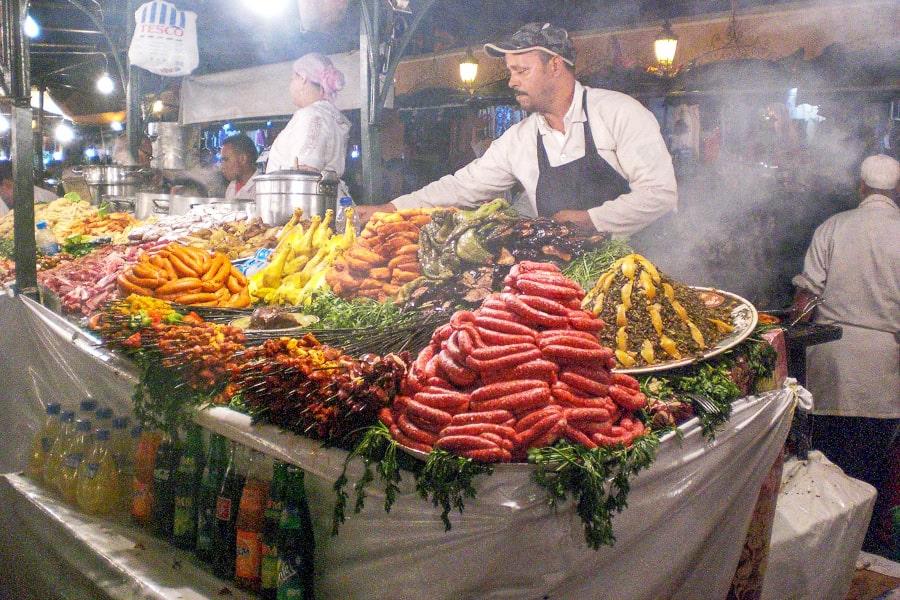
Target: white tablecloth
x: 681, y: 535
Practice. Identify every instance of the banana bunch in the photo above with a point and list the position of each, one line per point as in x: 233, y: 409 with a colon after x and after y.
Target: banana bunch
x: 302, y: 257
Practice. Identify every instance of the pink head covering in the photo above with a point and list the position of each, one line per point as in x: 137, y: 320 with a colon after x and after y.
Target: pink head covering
x: 319, y: 69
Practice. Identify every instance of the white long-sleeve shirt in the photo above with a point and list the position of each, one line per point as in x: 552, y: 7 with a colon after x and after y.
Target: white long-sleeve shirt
x: 315, y: 136
x: 853, y: 264
x: 626, y: 134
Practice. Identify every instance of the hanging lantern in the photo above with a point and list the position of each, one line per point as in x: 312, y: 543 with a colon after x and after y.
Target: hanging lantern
x: 664, y: 47
x: 468, y: 69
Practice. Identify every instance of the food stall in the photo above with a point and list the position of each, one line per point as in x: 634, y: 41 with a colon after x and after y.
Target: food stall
x: 682, y: 532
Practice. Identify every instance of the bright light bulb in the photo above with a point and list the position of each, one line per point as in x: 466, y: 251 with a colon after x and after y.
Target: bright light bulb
x: 105, y: 84
x: 30, y: 27
x: 268, y: 8
x: 158, y: 106
x: 116, y: 126
x: 4, y: 124
x: 64, y: 134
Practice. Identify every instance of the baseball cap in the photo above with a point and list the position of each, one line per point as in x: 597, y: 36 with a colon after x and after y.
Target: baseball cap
x: 880, y: 172
x: 536, y: 36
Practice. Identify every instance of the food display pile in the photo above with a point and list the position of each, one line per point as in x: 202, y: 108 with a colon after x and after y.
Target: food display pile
x: 436, y: 342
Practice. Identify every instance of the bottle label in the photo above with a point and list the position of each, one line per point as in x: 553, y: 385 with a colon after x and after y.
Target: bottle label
x: 182, y: 524
x: 288, y: 577
x: 268, y: 575
x: 72, y: 460
x: 161, y: 474
x: 141, y: 499
x: 248, y: 555
x: 204, y: 530
x: 187, y: 464
x: 273, y: 510
x: 223, y: 508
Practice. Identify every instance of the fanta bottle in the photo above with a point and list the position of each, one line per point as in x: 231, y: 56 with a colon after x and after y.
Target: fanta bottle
x: 43, y: 442
x: 97, y: 488
x: 142, y: 484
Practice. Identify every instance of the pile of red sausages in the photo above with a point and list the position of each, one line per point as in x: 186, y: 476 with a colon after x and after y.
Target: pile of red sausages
x: 522, y: 371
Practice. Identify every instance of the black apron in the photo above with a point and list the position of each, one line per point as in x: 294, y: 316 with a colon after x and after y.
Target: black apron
x: 582, y: 184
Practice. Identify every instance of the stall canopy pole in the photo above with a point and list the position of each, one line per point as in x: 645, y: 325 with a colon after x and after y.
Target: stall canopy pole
x: 16, y: 68
x: 133, y: 125
x: 376, y: 76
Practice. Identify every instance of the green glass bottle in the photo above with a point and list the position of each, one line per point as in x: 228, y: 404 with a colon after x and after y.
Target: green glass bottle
x: 268, y: 589
x: 187, y: 487
x: 210, y: 483
x: 296, y: 544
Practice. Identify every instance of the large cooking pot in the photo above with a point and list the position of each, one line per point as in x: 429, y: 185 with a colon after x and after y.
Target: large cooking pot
x: 280, y: 192
x: 239, y: 205
x: 112, y: 180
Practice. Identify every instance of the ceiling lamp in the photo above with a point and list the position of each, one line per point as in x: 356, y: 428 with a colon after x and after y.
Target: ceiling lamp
x: 468, y: 70
x: 30, y: 27
x: 63, y: 133
x: 664, y: 47
x: 105, y: 84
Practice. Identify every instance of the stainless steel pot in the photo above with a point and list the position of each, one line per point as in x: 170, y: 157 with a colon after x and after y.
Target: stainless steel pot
x: 280, y: 192
x: 145, y: 205
x: 112, y: 180
x: 121, y: 203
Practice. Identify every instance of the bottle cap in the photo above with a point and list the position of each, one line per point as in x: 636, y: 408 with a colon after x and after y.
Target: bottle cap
x: 83, y: 425
x: 42, y: 225
x: 102, y: 435
x: 87, y: 405
x: 120, y: 423
x: 136, y: 431
x: 67, y: 415
x: 346, y: 201
x: 54, y: 408
x: 104, y: 412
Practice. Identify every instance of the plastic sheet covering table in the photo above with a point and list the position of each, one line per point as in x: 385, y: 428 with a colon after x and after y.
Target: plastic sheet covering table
x: 820, y: 522
x: 65, y: 553
x: 680, y: 537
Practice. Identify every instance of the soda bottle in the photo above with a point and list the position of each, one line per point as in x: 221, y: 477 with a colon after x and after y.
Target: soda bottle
x: 75, y: 453
x: 45, y: 239
x: 162, y: 505
x: 268, y: 582
x: 296, y: 544
x: 97, y: 488
x: 227, y: 501
x: 187, y: 485
x: 53, y: 463
x: 142, y: 485
x: 120, y: 445
x: 248, y: 550
x: 210, y: 484
x: 340, y: 218
x: 43, y: 442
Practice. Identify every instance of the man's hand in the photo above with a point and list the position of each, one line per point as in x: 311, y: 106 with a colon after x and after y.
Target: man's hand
x: 365, y: 212
x: 580, y: 219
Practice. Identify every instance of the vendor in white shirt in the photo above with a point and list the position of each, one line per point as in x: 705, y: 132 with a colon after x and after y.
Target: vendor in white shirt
x: 239, y: 166
x: 591, y: 157
x: 316, y: 136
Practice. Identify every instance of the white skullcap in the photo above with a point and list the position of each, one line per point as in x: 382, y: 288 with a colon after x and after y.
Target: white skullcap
x: 880, y: 172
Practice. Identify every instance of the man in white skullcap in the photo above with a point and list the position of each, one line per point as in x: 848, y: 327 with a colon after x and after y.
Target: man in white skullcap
x: 853, y: 267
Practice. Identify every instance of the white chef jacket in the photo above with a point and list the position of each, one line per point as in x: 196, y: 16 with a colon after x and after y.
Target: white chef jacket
x: 247, y: 191
x: 626, y: 134
x: 315, y: 136
x: 853, y: 264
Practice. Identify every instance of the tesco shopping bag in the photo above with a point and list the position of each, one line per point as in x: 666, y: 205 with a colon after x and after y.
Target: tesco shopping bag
x: 165, y: 39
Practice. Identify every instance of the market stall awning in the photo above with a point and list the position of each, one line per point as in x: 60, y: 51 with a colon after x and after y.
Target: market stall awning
x: 257, y: 92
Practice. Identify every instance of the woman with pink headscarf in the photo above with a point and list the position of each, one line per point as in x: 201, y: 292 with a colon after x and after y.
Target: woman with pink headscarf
x: 316, y: 136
